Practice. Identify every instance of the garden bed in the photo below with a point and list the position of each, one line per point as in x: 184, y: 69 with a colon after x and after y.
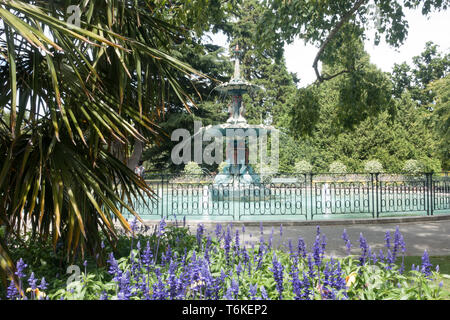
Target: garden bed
x: 170, y: 263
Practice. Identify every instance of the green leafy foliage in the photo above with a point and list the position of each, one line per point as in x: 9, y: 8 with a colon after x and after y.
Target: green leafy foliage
x: 251, y: 269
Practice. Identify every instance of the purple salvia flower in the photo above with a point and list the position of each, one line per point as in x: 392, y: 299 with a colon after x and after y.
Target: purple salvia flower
x: 291, y: 248
x: 239, y: 269
x: 20, y: 266
x: 389, y: 260
x: 228, y: 295
x: 227, y: 244
x: 200, y: 231
x: 218, y: 231
x: 236, y: 243
x: 364, y: 249
x: 297, y: 285
x: 138, y: 246
x: 159, y: 290
x: 261, y: 250
x: 264, y: 293
x: 397, y: 243
x: 235, y: 288
x: 207, y: 248
x: 114, y: 268
x: 402, y: 267
x: 425, y: 267
x: 381, y: 256
x: 162, y: 226
x: 172, y: 280
x: 310, y: 266
x: 317, y: 252
x: 387, y: 238
x: 147, y: 257
x: 32, y: 281
x: 277, y: 271
x: 301, y: 247
x: 347, y: 241
x: 252, y: 290
x: 134, y: 226
x: 374, y: 258
x: 124, y: 286
x: 11, y: 292
x: 43, y: 285
x: 323, y: 245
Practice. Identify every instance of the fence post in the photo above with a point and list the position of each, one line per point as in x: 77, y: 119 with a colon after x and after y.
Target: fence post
x: 372, y: 193
x: 376, y: 194
x: 310, y: 196
x: 162, y: 196
x: 430, y: 193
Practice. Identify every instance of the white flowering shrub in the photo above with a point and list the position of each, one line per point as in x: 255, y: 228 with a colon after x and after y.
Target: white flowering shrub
x: 337, y: 167
x: 192, y: 168
x: 373, y: 166
x: 413, y: 167
x: 303, y: 166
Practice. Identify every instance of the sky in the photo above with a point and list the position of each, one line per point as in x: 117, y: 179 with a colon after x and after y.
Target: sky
x: 436, y: 27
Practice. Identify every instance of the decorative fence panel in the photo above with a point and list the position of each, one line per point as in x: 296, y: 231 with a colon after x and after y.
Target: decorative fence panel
x: 298, y: 196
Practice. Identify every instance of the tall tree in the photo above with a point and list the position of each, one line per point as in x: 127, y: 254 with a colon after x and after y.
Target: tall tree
x: 441, y: 116
x: 427, y: 67
x: 338, y: 28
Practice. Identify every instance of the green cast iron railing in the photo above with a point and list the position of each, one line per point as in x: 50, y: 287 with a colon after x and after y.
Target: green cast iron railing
x: 294, y: 196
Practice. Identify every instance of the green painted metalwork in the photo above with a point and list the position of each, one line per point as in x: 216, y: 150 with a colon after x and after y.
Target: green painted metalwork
x: 294, y: 197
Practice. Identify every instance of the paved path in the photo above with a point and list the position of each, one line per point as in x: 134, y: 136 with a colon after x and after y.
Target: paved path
x: 430, y: 233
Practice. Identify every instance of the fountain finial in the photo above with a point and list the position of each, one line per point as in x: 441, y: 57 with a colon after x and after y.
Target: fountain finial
x: 237, y: 86
x: 237, y: 67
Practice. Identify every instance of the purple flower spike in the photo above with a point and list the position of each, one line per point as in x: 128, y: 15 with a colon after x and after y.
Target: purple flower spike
x: 32, y: 281
x: 425, y: 268
x: 43, y: 285
x: 301, y: 248
x: 20, y: 267
x: 11, y: 292
x: 346, y: 239
x: 387, y: 238
x: 364, y: 249
x: 277, y: 271
x: 264, y: 293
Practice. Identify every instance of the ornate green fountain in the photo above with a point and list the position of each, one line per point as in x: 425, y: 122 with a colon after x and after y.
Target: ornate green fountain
x: 238, y: 180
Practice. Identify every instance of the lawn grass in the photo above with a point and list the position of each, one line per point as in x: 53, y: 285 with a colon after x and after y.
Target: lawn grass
x: 444, y: 268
